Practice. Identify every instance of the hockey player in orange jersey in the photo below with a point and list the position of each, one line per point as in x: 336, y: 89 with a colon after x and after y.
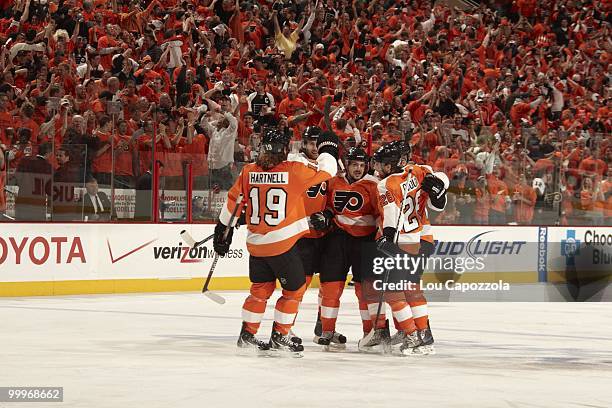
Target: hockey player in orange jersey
x: 315, y: 198
x: 351, y: 215
x: 418, y: 188
x: 276, y: 218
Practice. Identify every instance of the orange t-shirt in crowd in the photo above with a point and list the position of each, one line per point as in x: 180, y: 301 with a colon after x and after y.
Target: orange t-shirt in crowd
x: 106, y: 60
x: 6, y: 121
x: 482, y: 205
x: 592, y: 165
x: 103, y: 163
x: 498, y: 191
x: 19, y: 122
x: 123, y: 156
x: 587, y: 201
x: 196, y: 153
x: 523, y: 211
x: 288, y: 107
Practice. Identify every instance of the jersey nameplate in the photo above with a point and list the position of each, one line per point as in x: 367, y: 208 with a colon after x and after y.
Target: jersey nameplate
x: 410, y: 184
x: 269, y: 178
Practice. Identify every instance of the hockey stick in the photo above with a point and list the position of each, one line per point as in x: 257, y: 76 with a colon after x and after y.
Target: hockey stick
x: 211, y: 295
x: 370, y: 335
x: 192, y: 242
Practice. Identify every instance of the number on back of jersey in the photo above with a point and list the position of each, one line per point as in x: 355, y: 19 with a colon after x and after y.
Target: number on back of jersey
x: 274, y: 209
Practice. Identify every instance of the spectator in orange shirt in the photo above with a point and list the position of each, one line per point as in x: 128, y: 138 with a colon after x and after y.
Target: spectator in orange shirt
x: 291, y: 103
x: 107, y: 47
x: 499, y: 197
x: 25, y: 121
x: 590, y: 196
x: 523, y: 200
x: 591, y: 164
x: 102, y: 156
x: 483, y: 201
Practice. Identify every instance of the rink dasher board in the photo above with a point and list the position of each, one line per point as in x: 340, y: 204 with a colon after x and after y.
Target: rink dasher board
x: 60, y: 259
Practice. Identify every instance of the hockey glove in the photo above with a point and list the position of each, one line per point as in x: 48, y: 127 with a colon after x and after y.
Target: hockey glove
x: 434, y: 186
x: 386, y: 244
x: 328, y: 142
x: 242, y: 218
x: 321, y: 220
x: 221, y: 245
x: 426, y: 248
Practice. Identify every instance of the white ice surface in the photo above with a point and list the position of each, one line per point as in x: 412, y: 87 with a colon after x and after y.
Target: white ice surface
x: 178, y: 350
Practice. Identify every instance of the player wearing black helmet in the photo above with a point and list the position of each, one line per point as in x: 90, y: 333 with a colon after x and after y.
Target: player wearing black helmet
x: 276, y: 219
x: 351, y: 215
x: 309, y: 142
x: 309, y: 246
x: 404, y: 194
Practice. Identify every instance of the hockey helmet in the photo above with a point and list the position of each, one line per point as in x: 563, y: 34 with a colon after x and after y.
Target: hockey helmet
x: 390, y: 153
x: 274, y: 141
x: 356, y: 154
x: 311, y: 133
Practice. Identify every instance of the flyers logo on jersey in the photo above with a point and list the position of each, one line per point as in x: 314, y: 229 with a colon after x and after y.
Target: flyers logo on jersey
x: 351, y: 200
x: 314, y: 191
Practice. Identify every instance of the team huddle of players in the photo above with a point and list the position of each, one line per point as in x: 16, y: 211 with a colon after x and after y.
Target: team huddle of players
x: 306, y: 216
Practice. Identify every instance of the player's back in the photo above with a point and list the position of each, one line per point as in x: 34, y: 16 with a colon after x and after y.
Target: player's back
x: 276, y: 214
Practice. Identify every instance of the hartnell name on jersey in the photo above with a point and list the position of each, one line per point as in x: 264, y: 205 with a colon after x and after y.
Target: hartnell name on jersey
x: 281, y: 177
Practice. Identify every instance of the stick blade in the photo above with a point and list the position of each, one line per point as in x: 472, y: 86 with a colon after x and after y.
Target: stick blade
x: 214, y: 297
x: 187, y: 238
x: 367, y: 338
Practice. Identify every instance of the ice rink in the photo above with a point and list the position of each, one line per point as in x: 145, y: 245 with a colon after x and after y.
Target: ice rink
x: 178, y: 350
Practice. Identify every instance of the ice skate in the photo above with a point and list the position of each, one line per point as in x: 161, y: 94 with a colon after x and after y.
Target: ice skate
x: 247, y: 340
x: 294, y: 337
x: 282, y: 344
x: 426, y: 342
x: 377, y: 343
x: 410, y: 343
x: 318, y: 330
x: 332, y: 341
x: 398, y: 338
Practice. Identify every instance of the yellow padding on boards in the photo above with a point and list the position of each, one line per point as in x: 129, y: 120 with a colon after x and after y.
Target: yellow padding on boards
x: 82, y: 287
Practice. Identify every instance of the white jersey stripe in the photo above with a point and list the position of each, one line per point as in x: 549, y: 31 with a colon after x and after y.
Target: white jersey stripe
x: 361, y: 220
x: 280, y: 234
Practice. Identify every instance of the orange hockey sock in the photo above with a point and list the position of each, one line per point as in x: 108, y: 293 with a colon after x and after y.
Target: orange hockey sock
x: 382, y: 318
x: 402, y: 315
x: 255, y: 305
x: 366, y: 322
x: 286, y: 309
x: 330, y: 304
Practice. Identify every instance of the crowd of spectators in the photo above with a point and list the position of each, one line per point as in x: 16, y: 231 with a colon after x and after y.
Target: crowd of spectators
x: 511, y: 99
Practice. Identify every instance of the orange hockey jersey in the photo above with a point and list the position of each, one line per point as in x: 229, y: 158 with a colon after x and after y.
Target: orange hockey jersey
x: 276, y: 214
x: 315, y: 198
x: 355, y: 206
x: 414, y: 224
